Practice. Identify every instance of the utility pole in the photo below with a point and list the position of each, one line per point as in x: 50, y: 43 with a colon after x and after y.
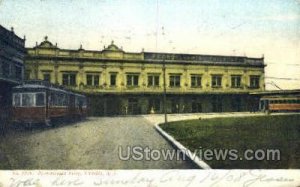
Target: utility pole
x: 165, y: 92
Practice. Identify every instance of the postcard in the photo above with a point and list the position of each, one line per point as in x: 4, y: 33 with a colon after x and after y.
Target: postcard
x: 149, y: 93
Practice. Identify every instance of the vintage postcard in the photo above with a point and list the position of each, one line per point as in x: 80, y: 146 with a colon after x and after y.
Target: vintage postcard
x: 149, y: 93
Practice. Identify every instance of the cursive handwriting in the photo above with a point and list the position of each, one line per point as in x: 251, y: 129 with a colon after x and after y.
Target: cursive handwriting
x: 24, y: 182
x: 64, y: 181
x: 213, y: 178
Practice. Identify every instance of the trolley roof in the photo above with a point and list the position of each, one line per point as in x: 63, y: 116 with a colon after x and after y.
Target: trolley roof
x: 40, y: 84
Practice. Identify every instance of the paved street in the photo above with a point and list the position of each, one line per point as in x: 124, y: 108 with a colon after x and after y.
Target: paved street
x: 91, y: 144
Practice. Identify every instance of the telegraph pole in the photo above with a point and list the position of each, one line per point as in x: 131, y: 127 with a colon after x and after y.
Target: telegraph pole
x: 165, y: 92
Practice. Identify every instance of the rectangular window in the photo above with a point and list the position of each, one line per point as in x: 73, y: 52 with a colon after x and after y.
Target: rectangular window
x: 196, y: 81
x: 69, y: 79
x: 6, y: 69
x: 133, y: 106
x: 153, y: 80
x: 40, y: 99
x: 174, y: 80
x: 17, y: 99
x: 19, y: 72
x: 53, y: 99
x: 113, y: 79
x: 254, y: 81
x: 216, y: 81
x: 132, y: 80
x: 28, y: 99
x: 47, y: 77
x: 92, y: 80
x: 236, y: 81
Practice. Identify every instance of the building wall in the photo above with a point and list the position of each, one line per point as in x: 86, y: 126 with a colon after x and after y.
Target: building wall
x: 49, y: 59
x: 56, y: 70
x: 12, y: 52
x: 107, y: 105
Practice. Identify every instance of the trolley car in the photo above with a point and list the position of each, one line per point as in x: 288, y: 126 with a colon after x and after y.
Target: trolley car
x: 280, y: 104
x: 41, y: 102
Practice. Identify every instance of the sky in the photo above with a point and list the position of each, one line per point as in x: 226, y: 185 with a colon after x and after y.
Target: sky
x: 253, y: 28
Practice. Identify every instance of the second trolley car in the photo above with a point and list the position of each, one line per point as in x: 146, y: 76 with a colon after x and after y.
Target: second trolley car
x: 41, y: 102
x: 280, y: 104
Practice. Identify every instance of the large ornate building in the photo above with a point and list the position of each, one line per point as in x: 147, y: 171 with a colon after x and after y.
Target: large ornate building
x: 119, y: 82
x: 12, y: 53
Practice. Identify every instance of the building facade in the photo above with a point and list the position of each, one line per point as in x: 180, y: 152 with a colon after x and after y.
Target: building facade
x: 123, y: 83
x: 12, y: 53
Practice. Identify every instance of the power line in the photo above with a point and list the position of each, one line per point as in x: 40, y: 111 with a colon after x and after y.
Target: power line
x: 290, y: 64
x: 274, y: 84
x: 282, y: 78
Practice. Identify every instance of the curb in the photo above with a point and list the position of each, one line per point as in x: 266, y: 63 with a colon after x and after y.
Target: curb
x: 193, y: 157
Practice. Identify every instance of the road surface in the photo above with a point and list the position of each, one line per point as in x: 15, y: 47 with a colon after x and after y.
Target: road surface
x: 91, y: 144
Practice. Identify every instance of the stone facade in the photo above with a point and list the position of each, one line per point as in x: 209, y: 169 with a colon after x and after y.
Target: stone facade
x: 119, y: 82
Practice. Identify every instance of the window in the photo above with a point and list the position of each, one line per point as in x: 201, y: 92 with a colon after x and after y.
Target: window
x: 236, y: 81
x: 6, y: 69
x: 132, y: 80
x: 92, y: 80
x: 40, y: 99
x: 216, y: 81
x: 47, y: 77
x: 254, y: 81
x: 69, y: 79
x: 133, y: 106
x: 195, y: 81
x: 59, y: 99
x: 113, y: 79
x: 19, y: 72
x: 80, y: 101
x: 174, y: 80
x: 27, y: 99
x: 16, y: 99
x: 153, y: 80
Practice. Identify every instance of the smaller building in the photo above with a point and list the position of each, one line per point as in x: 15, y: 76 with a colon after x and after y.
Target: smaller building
x: 12, y: 53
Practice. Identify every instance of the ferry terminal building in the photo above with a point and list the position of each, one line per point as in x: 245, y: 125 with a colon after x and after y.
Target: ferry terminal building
x: 125, y: 83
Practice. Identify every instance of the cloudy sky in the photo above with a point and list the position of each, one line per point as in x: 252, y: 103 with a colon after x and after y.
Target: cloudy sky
x: 224, y: 27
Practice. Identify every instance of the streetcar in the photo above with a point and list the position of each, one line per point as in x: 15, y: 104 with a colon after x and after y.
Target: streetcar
x: 40, y: 102
x: 280, y: 104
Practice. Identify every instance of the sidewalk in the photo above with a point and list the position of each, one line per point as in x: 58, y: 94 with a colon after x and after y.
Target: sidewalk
x: 159, y: 118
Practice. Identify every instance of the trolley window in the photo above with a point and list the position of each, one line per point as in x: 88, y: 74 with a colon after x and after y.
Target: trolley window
x: 27, y: 99
x: 40, y: 99
x: 16, y: 99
